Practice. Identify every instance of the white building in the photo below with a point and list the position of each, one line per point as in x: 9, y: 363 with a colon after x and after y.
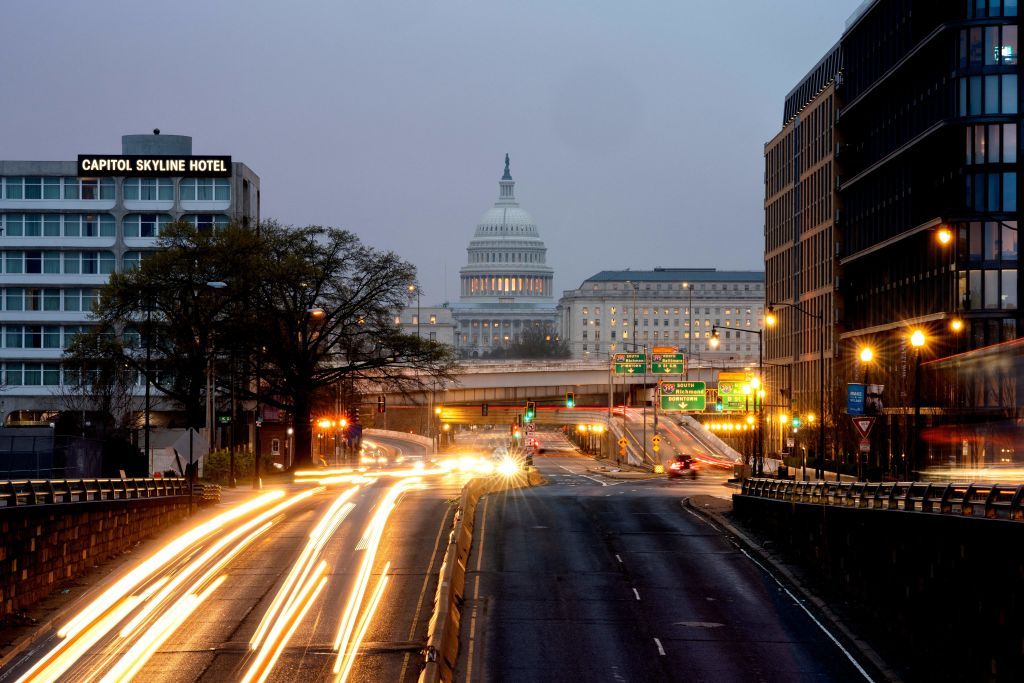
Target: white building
x: 623, y: 310
x: 430, y: 322
x: 506, y: 286
x: 63, y: 233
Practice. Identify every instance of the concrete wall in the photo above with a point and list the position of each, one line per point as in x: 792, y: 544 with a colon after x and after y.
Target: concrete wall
x: 942, y: 593
x: 45, y: 545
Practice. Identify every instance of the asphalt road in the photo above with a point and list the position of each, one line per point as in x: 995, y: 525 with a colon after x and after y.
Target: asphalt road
x: 594, y: 580
x: 237, y: 572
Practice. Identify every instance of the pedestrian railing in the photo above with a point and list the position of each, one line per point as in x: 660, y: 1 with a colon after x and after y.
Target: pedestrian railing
x: 992, y: 501
x: 19, y: 492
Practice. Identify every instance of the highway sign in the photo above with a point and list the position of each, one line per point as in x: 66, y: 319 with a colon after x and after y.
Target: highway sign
x: 656, y: 440
x: 630, y: 363
x: 622, y: 442
x: 667, y: 364
x: 730, y: 394
x: 691, y: 396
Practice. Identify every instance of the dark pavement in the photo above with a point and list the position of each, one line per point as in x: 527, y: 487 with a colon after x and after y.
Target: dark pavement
x: 593, y: 580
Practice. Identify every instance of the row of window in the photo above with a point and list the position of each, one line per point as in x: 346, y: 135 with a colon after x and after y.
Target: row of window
x: 58, y: 262
x: 686, y: 311
x: 504, y: 257
x: 989, y: 289
x: 493, y: 285
x: 55, y: 187
x: 48, y: 298
x: 39, y: 336
x: 989, y: 241
x: 675, y: 286
x: 993, y: 192
x: 645, y: 322
x: 988, y: 46
x: 995, y: 94
x: 980, y: 9
x: 135, y: 189
x: 992, y: 144
x: 97, y: 225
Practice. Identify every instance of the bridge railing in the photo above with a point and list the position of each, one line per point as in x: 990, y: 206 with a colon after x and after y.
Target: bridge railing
x: 21, y: 492
x: 992, y: 501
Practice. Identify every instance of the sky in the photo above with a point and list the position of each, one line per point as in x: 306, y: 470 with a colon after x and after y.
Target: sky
x: 635, y: 129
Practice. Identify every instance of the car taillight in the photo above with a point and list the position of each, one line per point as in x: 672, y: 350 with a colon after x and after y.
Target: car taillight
x: 675, y: 465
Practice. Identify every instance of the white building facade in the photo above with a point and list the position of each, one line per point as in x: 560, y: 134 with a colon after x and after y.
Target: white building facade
x: 625, y: 310
x: 506, y: 287
x: 435, y: 323
x: 61, y: 236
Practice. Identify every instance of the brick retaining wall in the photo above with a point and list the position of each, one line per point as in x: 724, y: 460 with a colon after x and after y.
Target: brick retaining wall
x: 45, y: 545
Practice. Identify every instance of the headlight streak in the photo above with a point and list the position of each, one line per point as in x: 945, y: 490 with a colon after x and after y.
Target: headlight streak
x: 318, y: 537
x: 284, y: 626
x: 345, y: 660
x: 203, y: 559
x: 95, y: 620
x: 370, y: 542
x: 169, y: 622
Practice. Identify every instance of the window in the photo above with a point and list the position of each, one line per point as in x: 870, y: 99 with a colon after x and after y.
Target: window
x: 95, y: 188
x: 207, y: 221
x: 144, y: 224
x: 275, y: 446
x: 433, y: 319
x: 149, y: 189
x: 991, y: 94
x: 131, y: 260
x: 205, y: 189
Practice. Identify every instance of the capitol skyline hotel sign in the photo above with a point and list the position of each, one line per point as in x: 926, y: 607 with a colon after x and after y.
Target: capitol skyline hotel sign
x: 153, y: 166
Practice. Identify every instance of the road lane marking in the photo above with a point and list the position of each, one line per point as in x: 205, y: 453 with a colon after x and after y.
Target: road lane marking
x: 661, y: 650
x: 472, y: 628
x: 636, y: 593
x: 796, y: 600
x: 577, y: 474
x: 483, y: 532
x: 617, y: 557
x: 428, y: 574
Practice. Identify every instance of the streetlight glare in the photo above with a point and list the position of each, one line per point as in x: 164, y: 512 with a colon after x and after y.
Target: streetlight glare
x: 917, y: 339
x: 866, y: 354
x: 783, y: 418
x: 810, y: 417
x: 945, y: 236
x: 770, y: 319
x: 956, y: 325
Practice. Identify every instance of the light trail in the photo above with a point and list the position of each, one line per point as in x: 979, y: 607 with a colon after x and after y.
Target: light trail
x: 206, y: 557
x: 96, y: 619
x: 318, y: 537
x: 343, y: 665
x: 284, y: 626
x: 169, y: 622
x: 370, y: 542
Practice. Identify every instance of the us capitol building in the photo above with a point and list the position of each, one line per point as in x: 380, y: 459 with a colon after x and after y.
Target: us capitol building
x: 506, y: 287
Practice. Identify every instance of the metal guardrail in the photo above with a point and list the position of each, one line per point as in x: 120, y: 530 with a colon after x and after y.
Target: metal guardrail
x: 21, y: 492
x: 991, y: 501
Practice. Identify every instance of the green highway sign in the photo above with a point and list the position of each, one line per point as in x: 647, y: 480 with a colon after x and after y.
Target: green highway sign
x: 630, y: 363
x: 224, y: 419
x: 730, y: 393
x: 689, y: 396
x: 667, y: 364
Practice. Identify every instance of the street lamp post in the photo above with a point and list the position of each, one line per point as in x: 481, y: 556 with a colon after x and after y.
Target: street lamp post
x: 715, y: 341
x: 149, y: 352
x: 917, y: 340
x: 416, y: 288
x: 770, y: 320
x: 867, y: 356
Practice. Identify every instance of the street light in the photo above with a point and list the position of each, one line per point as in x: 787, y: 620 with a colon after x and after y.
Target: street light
x: 415, y: 288
x: 714, y: 342
x: 771, y: 320
x: 917, y: 340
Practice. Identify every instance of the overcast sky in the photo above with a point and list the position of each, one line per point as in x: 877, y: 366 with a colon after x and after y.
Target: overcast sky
x: 636, y: 129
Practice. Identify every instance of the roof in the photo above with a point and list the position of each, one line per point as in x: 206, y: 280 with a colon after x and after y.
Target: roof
x: 678, y: 275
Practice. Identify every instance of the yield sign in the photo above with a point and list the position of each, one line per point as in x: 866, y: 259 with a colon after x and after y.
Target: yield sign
x: 864, y: 425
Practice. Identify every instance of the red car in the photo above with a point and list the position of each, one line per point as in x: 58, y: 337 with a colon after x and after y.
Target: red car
x: 682, y: 466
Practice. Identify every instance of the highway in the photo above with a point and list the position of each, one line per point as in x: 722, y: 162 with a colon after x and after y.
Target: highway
x: 329, y: 578
x: 594, y: 579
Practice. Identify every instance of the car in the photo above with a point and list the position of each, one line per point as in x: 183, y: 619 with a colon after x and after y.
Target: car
x: 682, y: 466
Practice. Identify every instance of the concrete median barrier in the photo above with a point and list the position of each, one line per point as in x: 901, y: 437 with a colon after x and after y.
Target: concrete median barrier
x: 443, y: 629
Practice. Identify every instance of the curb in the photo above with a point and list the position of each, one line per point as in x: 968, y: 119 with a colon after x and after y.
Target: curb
x: 865, y: 653
x: 442, y: 648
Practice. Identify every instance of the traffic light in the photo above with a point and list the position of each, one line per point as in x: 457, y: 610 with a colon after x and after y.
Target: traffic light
x: 353, y: 415
x: 570, y: 399
x: 718, y: 406
x: 796, y: 422
x: 517, y: 433
x: 382, y: 404
x: 483, y: 409
x: 531, y: 411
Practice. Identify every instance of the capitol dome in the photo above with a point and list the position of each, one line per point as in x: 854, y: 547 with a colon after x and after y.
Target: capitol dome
x: 506, y: 257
